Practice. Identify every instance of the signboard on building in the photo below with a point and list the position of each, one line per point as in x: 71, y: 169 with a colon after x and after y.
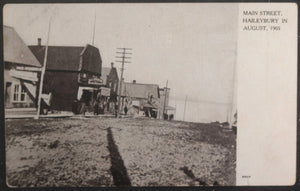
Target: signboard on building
x: 105, y: 91
x: 24, y: 75
x: 95, y: 81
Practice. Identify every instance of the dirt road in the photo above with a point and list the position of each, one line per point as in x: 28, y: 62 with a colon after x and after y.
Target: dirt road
x: 163, y: 153
x: 109, y: 152
x: 57, y: 152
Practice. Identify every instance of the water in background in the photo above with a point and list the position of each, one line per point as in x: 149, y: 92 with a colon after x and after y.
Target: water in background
x: 204, y: 112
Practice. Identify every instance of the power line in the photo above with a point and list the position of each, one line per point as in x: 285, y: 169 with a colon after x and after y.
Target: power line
x: 122, y: 57
x: 123, y: 61
x: 125, y: 48
x: 124, y: 53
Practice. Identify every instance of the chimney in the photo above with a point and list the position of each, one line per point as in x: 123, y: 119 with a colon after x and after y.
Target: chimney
x: 39, y: 41
x: 112, y: 65
x: 134, y: 81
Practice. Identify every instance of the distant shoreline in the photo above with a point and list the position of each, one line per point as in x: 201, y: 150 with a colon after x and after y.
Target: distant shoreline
x: 199, y: 101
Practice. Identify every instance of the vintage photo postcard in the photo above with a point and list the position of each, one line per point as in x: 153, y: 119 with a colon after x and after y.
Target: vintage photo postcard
x: 150, y: 94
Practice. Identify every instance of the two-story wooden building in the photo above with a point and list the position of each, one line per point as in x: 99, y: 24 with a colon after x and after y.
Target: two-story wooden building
x: 21, y: 70
x: 110, y: 79
x: 72, y: 73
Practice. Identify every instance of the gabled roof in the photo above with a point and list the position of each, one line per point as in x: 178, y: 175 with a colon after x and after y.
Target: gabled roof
x: 137, y: 90
x: 59, y: 57
x: 15, y: 50
x: 104, y: 73
x: 109, y: 71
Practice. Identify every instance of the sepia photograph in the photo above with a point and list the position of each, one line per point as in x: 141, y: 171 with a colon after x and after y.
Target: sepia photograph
x: 109, y: 95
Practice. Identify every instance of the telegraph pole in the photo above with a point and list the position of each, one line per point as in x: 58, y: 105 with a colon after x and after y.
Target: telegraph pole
x: 43, y: 74
x: 233, y: 105
x: 184, y: 107
x: 94, y: 29
x: 124, y: 59
x: 175, y: 105
x: 164, y: 108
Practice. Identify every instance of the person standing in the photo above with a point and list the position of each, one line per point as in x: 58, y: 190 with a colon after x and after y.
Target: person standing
x: 125, y: 109
x: 116, y: 109
x: 96, y: 110
x: 101, y: 107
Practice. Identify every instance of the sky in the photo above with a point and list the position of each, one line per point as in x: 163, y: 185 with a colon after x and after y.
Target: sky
x: 192, y: 45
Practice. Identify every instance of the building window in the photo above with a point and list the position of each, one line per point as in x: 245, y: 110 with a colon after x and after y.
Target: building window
x: 19, y: 93
x: 83, y: 75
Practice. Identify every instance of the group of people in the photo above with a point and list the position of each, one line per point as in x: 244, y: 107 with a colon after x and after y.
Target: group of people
x: 99, y: 104
x: 85, y: 102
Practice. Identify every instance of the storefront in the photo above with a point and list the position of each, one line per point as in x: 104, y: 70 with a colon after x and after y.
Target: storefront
x: 93, y: 97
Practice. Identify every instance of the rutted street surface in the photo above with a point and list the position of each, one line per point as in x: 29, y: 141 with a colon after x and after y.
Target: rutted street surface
x: 57, y: 152
x: 162, y: 153
x: 109, y: 151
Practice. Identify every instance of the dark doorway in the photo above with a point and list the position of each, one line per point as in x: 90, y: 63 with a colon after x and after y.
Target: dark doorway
x: 8, y: 94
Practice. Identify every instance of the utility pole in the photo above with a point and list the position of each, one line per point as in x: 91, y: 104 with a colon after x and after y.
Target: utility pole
x: 184, y: 107
x: 164, y: 108
x: 43, y: 74
x: 175, y: 109
x: 123, y: 60
x: 233, y: 105
x: 94, y: 29
x: 175, y: 105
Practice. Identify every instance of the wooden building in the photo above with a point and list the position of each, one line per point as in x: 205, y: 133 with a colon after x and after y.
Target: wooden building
x: 110, y: 79
x: 21, y: 70
x: 72, y: 74
x: 140, y: 97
